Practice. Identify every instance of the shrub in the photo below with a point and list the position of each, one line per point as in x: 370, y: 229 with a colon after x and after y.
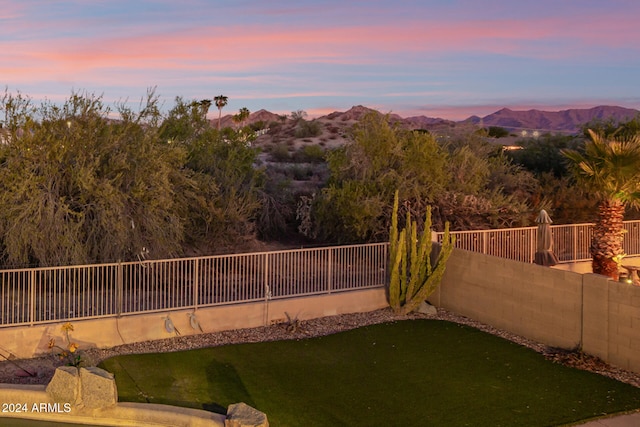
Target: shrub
x: 309, y: 154
x: 497, y: 132
x: 280, y: 153
x: 306, y: 129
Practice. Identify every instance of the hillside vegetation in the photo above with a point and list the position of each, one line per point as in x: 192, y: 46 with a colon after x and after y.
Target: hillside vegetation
x: 83, y: 182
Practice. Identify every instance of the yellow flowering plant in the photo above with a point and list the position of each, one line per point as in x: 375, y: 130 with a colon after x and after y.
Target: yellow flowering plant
x: 70, y: 351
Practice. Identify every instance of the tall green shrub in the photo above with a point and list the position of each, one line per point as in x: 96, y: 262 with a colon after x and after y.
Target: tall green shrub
x: 413, y: 277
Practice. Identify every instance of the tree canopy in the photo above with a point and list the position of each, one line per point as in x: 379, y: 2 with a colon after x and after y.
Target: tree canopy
x: 463, y: 182
x: 80, y: 186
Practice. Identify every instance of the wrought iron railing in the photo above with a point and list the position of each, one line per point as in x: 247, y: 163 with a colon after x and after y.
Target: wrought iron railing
x: 571, y: 241
x: 53, y: 294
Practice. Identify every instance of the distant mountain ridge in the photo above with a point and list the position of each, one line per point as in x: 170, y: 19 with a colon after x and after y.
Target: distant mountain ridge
x: 567, y: 121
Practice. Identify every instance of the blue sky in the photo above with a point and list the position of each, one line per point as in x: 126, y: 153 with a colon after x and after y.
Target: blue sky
x: 439, y: 58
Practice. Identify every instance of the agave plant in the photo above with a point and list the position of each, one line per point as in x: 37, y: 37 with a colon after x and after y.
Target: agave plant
x: 610, y: 169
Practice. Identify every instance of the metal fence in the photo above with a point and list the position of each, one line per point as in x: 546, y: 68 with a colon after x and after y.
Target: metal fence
x: 53, y: 294
x: 41, y: 295
x: 571, y: 242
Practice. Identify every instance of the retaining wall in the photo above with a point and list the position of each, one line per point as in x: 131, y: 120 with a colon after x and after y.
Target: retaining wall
x: 30, y: 341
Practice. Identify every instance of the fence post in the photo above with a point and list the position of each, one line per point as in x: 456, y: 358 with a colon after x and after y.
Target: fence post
x: 265, y: 275
x: 196, y: 283
x: 267, y: 289
x: 485, y: 236
x: 32, y: 297
x: 533, y: 244
x: 330, y: 270
x: 119, y: 290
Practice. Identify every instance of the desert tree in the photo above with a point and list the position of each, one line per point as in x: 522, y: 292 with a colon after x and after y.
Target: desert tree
x: 77, y: 186
x: 222, y: 204
x: 364, y: 175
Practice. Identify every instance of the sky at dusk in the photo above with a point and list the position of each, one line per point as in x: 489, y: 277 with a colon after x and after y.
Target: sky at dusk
x: 439, y: 58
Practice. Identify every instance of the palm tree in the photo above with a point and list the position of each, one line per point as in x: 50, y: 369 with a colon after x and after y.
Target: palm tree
x: 220, y: 101
x: 243, y: 114
x: 204, y: 106
x: 610, y: 169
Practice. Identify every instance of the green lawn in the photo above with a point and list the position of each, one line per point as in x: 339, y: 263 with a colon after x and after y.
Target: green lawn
x: 414, y: 373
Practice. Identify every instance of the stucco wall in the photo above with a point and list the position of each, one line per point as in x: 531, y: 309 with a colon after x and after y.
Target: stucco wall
x: 28, y: 341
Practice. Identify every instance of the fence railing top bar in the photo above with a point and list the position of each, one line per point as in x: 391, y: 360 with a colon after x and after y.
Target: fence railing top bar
x: 488, y: 230
x: 174, y: 260
x: 493, y: 230
x: 60, y: 267
x: 280, y: 251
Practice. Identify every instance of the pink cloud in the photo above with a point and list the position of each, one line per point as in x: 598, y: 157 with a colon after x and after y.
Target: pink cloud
x: 235, y: 49
x: 11, y: 10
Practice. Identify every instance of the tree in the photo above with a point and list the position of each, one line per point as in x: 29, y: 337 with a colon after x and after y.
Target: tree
x: 484, y: 189
x: 612, y: 127
x: 609, y: 168
x: 297, y: 115
x: 497, y: 132
x: 78, y: 187
x: 221, y: 206
x: 544, y: 154
x: 204, y: 105
x: 220, y: 102
x: 356, y: 204
x: 242, y: 116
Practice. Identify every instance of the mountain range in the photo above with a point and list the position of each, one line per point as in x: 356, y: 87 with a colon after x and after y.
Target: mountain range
x: 565, y: 121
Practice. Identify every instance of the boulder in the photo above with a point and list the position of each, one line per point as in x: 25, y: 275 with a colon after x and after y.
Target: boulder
x: 243, y: 415
x: 64, y: 387
x: 97, y: 388
x: 426, y: 308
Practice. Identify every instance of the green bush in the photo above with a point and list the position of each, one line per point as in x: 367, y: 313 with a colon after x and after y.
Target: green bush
x: 497, y: 132
x: 280, y: 153
x: 307, y: 129
x: 309, y: 154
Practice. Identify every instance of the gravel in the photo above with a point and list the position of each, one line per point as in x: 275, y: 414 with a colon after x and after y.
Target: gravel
x: 42, y: 368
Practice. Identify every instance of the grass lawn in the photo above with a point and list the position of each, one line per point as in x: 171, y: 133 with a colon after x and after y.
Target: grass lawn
x: 414, y: 372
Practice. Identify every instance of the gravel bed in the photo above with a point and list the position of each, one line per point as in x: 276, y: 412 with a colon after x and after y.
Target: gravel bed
x: 42, y: 368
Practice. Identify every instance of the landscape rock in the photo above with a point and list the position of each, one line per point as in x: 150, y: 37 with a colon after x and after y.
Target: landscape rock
x: 64, y: 387
x: 97, y: 388
x: 243, y: 415
x: 426, y: 308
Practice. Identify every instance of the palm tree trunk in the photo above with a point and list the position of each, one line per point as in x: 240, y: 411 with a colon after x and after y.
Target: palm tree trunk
x: 606, y: 246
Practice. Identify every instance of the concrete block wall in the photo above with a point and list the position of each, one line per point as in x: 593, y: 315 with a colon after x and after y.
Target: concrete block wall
x: 555, y: 307
x: 529, y: 300
x: 624, y: 325
x: 595, y: 326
